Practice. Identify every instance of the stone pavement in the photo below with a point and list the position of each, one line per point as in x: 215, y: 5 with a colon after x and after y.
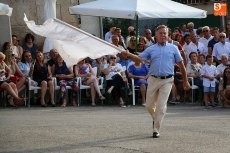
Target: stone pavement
x: 111, y: 129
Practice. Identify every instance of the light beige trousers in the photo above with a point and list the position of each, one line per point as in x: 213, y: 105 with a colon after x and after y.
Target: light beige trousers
x: 156, y: 99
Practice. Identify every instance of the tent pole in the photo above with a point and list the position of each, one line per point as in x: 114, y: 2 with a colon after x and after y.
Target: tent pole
x: 137, y: 32
x: 101, y: 28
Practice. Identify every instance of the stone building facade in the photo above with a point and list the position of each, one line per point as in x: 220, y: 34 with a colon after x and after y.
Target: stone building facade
x: 34, y: 10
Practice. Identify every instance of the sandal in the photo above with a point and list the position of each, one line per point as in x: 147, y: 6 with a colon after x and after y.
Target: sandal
x: 11, y: 101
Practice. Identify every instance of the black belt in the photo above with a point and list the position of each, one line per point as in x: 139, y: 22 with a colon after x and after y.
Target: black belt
x: 162, y: 77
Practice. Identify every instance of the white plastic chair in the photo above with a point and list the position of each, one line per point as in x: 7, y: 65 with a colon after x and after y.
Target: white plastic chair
x: 134, y: 88
x: 193, y: 87
x: 32, y: 87
x: 85, y: 87
x: 57, y: 88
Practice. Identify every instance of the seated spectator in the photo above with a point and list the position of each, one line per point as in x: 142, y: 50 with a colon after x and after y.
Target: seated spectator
x: 201, y: 59
x: 177, y: 91
x: 116, y: 40
x: 51, y: 62
x: 121, y: 38
x: 224, y: 88
x: 125, y: 63
x: 209, y: 72
x: 132, y: 45
x: 6, y: 84
x: 16, y: 76
x: 39, y: 73
x: 108, y: 35
x: 99, y: 63
x: 115, y: 78
x: 193, y: 70
x: 142, y: 40
x: 6, y: 46
x: 149, y: 38
x: 222, y: 66
x: 139, y: 72
x: 25, y: 64
x: 131, y: 33
x: 85, y: 71
x: 65, y: 77
x: 140, y: 48
x: 29, y: 45
x: 18, y: 48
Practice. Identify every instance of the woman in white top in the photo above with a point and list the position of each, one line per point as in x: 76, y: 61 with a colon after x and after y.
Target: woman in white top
x: 85, y: 71
x: 115, y: 77
x: 7, y: 85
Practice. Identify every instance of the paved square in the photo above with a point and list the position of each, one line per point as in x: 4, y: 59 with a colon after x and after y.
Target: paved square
x: 111, y: 129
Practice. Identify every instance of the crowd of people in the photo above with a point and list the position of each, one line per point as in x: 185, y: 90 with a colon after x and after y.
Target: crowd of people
x: 205, y: 52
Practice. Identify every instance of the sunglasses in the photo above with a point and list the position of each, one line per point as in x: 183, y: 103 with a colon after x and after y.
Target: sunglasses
x: 205, y: 30
x: 112, y: 57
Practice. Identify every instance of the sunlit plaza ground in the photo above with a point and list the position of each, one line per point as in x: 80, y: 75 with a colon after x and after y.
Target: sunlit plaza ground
x: 111, y: 129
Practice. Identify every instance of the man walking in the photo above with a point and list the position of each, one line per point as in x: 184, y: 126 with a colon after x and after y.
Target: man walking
x: 162, y: 57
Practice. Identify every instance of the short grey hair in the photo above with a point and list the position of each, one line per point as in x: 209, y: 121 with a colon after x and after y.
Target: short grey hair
x: 206, y: 27
x: 162, y: 27
x: 224, y: 55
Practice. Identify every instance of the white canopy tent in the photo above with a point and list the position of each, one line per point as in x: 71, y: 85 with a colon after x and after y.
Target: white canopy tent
x: 143, y: 9
x: 137, y: 9
x: 73, y: 44
x: 5, y: 26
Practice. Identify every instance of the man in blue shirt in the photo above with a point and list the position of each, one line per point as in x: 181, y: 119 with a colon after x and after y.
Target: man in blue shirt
x: 162, y: 57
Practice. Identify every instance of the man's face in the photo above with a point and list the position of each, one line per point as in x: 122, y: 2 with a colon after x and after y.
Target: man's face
x: 162, y: 35
x: 224, y: 60
x: 28, y: 57
x: 209, y: 61
x: 118, y: 32
x: 115, y: 40
x: 193, y: 58
x: 222, y: 38
x: 206, y: 32
x: 216, y: 33
x: 14, y: 40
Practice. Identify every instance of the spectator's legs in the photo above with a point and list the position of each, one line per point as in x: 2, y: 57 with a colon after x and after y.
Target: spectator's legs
x: 206, y: 98
x: 174, y: 93
x: 43, y: 92
x: 63, y: 84
x: 51, y: 90
x: 212, y: 98
x: 21, y: 84
x: 95, y: 83
x: 8, y: 87
x: 93, y: 93
x: 143, y: 93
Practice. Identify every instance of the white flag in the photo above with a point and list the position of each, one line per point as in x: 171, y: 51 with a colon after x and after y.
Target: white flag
x: 5, y: 9
x: 73, y: 44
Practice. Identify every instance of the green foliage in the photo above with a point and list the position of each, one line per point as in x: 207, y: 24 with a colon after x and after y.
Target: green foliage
x: 120, y: 23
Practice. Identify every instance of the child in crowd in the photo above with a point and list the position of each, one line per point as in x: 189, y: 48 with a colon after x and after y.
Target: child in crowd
x: 209, y: 72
